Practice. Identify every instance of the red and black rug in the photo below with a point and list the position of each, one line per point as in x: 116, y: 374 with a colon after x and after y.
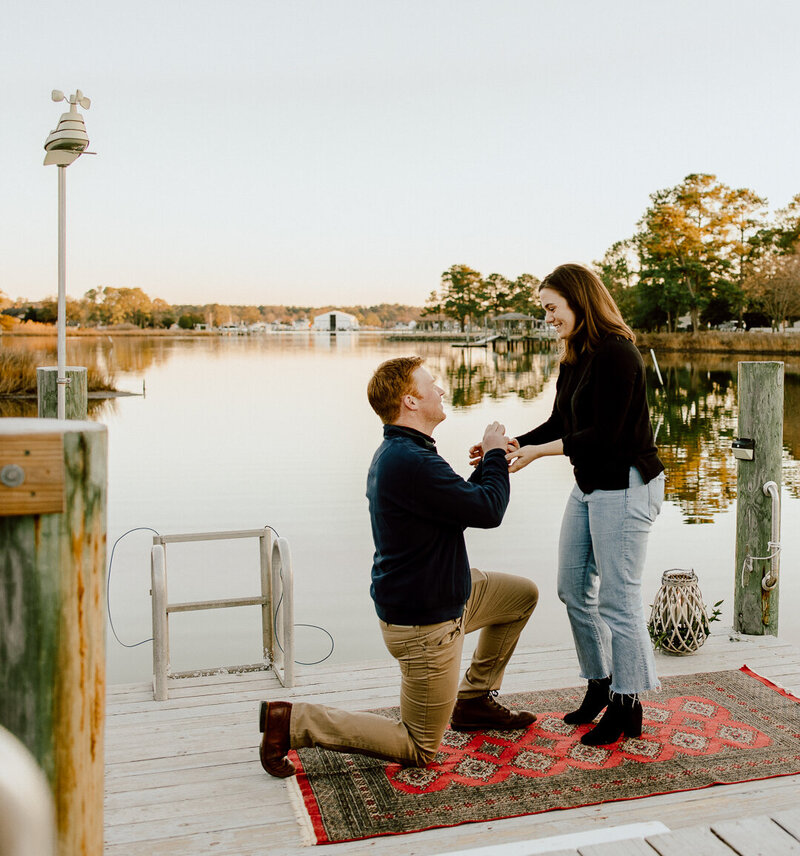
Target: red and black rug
x: 699, y: 730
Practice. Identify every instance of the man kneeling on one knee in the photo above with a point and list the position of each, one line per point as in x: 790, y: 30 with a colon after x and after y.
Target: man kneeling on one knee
x: 426, y: 595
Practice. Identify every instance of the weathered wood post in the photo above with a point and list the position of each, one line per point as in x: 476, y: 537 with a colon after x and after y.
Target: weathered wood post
x: 76, y: 392
x: 52, y: 621
x: 761, y: 420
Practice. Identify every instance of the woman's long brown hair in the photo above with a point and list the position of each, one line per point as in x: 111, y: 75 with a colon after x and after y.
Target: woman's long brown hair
x: 596, y: 313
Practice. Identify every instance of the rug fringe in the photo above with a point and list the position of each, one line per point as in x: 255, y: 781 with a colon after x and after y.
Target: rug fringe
x: 307, y: 835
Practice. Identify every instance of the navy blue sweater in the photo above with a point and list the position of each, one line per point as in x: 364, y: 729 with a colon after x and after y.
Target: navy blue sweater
x: 419, y: 508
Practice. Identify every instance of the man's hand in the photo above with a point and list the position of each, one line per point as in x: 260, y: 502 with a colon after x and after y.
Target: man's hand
x: 476, y: 451
x: 494, y: 437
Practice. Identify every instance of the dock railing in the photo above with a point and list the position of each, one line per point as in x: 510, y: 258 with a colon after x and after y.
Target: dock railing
x: 276, y: 602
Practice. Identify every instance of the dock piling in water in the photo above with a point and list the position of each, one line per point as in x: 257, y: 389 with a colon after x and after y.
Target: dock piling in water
x: 760, y: 420
x: 76, y: 392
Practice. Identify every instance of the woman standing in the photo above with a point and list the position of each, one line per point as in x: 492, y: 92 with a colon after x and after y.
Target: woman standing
x: 601, y: 421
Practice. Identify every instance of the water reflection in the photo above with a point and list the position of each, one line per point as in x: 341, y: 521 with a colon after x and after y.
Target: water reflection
x: 111, y: 353
x: 472, y: 374
x: 695, y: 414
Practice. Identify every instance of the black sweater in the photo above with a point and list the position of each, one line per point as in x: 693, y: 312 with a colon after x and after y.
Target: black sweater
x: 419, y: 508
x: 601, y: 415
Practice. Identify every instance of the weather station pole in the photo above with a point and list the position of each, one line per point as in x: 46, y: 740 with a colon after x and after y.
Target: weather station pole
x: 62, y: 294
x: 63, y: 146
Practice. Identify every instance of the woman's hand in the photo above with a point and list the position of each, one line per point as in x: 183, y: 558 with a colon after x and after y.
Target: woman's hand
x: 520, y: 457
x: 475, y: 454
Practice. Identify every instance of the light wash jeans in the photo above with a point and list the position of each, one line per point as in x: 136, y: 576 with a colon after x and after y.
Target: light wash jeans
x: 601, y: 557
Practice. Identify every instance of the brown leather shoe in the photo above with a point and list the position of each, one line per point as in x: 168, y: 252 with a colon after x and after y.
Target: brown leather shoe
x: 483, y: 712
x: 274, y: 725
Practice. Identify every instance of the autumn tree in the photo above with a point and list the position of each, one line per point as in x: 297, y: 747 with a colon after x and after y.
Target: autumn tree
x: 684, y: 242
x: 783, y: 236
x: 747, y: 219
x: 775, y: 287
x: 161, y: 313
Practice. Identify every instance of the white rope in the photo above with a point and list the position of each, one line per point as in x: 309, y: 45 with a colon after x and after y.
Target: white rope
x: 747, y: 564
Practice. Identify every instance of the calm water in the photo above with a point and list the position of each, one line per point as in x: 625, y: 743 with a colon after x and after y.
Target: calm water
x: 237, y: 433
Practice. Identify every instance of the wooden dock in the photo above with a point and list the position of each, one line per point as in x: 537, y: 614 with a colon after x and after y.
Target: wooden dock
x: 183, y: 777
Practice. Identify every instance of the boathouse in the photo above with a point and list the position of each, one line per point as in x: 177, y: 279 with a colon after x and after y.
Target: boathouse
x: 334, y: 320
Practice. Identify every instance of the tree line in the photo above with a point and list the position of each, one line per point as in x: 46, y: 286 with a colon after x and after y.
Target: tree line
x: 113, y: 307
x: 701, y: 249
x: 466, y: 294
x: 711, y: 252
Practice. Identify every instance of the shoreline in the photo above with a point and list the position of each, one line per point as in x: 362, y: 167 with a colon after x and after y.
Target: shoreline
x: 779, y: 344
x: 703, y: 342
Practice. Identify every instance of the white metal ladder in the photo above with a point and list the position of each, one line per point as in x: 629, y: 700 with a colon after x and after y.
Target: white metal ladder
x: 276, y: 588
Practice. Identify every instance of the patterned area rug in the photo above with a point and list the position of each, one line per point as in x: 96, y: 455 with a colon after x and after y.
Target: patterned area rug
x: 699, y: 730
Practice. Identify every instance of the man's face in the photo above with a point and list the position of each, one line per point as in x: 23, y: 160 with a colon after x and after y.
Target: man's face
x: 429, y: 396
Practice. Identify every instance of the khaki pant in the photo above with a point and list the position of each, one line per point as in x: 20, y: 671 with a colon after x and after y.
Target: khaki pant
x: 430, y: 662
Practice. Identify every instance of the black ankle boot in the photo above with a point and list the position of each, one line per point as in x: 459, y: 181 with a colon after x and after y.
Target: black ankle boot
x: 623, y: 716
x: 594, y: 701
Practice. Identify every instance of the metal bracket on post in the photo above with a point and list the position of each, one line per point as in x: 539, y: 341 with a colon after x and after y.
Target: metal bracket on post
x: 774, y: 546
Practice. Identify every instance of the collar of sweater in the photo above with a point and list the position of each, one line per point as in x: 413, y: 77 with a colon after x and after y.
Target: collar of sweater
x: 417, y: 436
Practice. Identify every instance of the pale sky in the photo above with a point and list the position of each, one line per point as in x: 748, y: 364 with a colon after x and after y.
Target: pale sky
x: 349, y: 151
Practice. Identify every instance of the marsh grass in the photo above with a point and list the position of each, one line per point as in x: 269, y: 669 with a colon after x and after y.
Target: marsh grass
x: 18, y: 372
x: 714, y: 341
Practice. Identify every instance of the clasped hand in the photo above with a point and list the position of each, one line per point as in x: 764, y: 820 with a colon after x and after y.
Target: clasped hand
x: 517, y: 457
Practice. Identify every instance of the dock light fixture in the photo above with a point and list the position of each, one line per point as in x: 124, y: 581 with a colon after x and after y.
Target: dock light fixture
x: 743, y: 448
x: 63, y: 146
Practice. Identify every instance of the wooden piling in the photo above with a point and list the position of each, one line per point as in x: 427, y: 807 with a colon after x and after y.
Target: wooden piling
x: 52, y: 612
x: 760, y: 419
x: 76, y: 392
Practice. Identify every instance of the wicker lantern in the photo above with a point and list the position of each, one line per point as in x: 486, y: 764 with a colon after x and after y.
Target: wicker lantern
x: 678, y: 619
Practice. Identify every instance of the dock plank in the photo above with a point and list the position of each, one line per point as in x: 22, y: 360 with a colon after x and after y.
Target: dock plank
x: 790, y: 821
x: 757, y: 836
x: 628, y: 847
x: 696, y: 840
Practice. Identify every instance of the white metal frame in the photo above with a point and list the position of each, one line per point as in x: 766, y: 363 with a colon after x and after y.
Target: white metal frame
x: 276, y: 601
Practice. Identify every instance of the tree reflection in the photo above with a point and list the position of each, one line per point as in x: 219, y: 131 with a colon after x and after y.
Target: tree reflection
x: 695, y: 413
x: 472, y: 374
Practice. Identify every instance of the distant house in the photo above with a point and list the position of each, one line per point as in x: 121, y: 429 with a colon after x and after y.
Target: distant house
x: 515, y: 323
x: 335, y: 320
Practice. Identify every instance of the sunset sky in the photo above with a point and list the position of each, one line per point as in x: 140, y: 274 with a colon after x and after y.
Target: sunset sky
x: 349, y: 151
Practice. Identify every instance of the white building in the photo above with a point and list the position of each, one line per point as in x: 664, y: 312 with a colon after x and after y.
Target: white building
x: 335, y: 320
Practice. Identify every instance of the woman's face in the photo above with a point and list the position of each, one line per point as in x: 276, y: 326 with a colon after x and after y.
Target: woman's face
x: 557, y: 312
